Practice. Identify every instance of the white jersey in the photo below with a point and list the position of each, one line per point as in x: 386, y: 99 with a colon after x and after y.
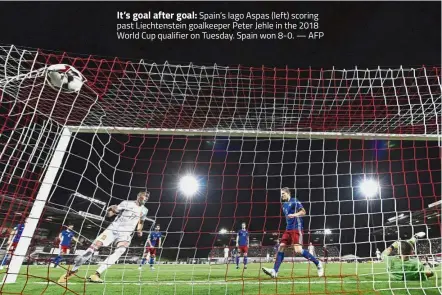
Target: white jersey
x: 226, y: 252
x: 311, y: 249
x: 378, y: 254
x: 129, y: 213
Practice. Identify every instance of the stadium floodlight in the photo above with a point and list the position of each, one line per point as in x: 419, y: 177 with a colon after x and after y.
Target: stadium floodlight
x: 189, y: 185
x: 327, y: 232
x: 223, y: 231
x: 369, y: 188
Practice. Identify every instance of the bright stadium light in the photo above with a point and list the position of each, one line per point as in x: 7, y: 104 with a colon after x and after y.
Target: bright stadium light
x: 188, y: 185
x: 223, y: 231
x: 369, y: 188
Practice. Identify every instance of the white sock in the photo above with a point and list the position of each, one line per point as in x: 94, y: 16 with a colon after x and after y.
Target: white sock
x: 83, y: 258
x: 111, y: 259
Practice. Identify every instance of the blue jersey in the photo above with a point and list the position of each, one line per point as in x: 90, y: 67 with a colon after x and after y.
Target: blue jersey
x: 154, y: 237
x: 66, y: 238
x: 276, y: 247
x: 243, y: 237
x: 18, y: 232
x: 291, y: 207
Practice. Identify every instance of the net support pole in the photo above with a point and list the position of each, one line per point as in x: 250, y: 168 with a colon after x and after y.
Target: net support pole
x: 37, y: 208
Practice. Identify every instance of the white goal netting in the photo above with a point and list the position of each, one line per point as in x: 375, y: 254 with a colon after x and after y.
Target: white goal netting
x: 359, y: 148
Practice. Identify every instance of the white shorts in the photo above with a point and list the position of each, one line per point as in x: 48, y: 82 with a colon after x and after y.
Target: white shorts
x: 113, y: 236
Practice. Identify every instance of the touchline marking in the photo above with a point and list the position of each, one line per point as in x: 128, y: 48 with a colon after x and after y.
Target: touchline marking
x: 216, y: 282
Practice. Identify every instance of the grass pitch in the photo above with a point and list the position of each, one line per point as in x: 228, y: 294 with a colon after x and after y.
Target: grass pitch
x: 298, y: 278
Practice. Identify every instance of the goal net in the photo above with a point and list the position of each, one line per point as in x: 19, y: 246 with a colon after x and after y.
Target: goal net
x: 359, y: 148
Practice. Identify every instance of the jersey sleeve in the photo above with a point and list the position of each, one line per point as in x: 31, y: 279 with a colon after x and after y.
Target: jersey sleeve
x: 123, y: 205
x: 144, y: 214
x: 297, y: 206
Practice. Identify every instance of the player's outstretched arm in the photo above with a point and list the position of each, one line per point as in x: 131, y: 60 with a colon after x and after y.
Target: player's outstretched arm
x: 388, y: 250
x: 140, y: 227
x: 300, y: 213
x: 112, y: 210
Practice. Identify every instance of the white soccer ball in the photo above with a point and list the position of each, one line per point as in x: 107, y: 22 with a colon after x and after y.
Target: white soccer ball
x: 65, y: 78
x: 420, y: 234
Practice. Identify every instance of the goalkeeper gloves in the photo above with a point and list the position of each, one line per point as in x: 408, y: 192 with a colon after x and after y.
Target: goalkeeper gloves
x: 412, y: 241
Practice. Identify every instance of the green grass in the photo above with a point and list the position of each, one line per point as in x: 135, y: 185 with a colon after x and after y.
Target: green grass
x: 218, y: 279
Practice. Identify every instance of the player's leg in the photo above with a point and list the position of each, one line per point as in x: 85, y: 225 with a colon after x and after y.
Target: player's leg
x: 8, y: 253
x: 245, y: 256
x: 121, y: 247
x: 297, y: 245
x: 152, y: 253
x: 5, y: 258
x: 57, y: 259
x: 144, y: 258
x: 299, y: 250
x: 279, y: 256
x: 273, y: 272
x: 238, y: 254
x: 105, y: 239
x: 83, y: 258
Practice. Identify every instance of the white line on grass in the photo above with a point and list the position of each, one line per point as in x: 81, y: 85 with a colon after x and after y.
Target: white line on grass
x: 246, y: 282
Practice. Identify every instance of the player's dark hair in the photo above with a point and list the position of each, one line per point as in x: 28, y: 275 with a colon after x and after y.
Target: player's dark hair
x: 405, y: 248
x: 286, y: 189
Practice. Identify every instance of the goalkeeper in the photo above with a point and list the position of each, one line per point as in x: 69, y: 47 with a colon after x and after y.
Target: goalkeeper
x: 403, y: 267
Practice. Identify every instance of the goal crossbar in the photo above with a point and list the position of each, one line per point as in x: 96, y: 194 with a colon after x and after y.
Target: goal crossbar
x: 254, y: 133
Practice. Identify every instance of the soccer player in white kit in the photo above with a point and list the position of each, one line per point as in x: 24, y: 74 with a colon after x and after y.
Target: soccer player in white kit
x: 130, y: 217
x: 226, y: 254
x: 378, y: 254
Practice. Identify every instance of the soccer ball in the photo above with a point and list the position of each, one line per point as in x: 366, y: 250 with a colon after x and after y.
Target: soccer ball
x: 65, y: 78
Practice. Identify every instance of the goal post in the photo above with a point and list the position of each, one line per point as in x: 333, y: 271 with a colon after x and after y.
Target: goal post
x: 244, y: 132
x: 254, y: 133
x: 34, y: 217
